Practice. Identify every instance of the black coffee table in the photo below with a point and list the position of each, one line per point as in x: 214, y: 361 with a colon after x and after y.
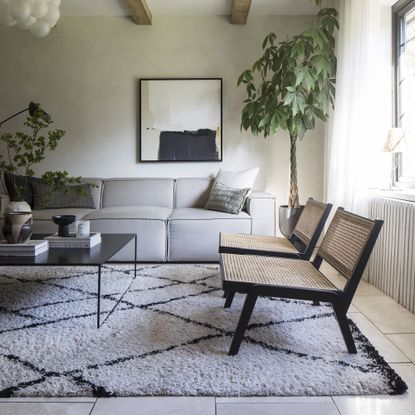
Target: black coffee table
x: 96, y: 256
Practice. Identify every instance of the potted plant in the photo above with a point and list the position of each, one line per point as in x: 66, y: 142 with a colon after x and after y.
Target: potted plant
x: 288, y: 87
x: 23, y: 151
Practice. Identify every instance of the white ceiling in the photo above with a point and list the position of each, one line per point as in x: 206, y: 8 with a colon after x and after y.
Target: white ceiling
x: 186, y: 7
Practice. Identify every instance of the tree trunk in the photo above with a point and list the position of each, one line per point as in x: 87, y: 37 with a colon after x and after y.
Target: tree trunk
x: 293, y: 201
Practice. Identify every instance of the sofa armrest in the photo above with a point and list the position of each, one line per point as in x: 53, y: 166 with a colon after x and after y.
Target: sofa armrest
x: 4, y: 201
x: 262, y: 209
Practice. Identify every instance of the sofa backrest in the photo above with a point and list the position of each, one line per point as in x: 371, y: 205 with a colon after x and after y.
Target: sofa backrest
x: 138, y: 192
x: 192, y: 192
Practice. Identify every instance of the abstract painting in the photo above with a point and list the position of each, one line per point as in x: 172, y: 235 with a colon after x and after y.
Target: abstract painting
x: 180, y: 120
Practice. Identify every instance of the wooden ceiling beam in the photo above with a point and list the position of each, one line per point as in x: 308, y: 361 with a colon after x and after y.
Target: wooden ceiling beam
x: 140, y: 11
x: 240, y: 11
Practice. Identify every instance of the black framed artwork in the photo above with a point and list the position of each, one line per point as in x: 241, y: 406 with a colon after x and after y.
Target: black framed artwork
x: 180, y: 120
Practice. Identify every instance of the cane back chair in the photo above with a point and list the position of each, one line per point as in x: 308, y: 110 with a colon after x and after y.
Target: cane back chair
x: 346, y: 246
x: 301, y: 244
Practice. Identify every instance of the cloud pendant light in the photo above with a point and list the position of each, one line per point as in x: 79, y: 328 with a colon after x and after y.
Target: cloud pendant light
x: 38, y: 16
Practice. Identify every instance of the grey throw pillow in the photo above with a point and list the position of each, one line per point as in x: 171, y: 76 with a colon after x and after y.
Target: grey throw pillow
x: 77, y: 196
x: 226, y: 199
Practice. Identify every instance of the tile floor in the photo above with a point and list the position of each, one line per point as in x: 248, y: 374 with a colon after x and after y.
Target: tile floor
x: 389, y: 326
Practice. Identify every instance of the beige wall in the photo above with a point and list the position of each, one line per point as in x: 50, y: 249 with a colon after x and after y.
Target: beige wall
x: 85, y: 74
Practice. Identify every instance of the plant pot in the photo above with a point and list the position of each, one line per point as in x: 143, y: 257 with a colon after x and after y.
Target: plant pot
x: 20, y: 206
x: 288, y: 218
x: 17, y: 227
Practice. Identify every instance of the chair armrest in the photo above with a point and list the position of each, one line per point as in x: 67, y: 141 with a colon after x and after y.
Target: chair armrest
x: 4, y: 201
x: 261, y: 207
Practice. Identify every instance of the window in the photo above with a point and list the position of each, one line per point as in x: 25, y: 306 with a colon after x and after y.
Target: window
x: 404, y: 64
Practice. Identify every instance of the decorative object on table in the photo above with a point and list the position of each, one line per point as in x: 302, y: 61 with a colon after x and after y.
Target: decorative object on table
x: 17, y: 227
x: 393, y: 145
x: 180, y: 119
x: 63, y: 221
x: 74, y: 241
x: 38, y: 16
x: 289, y: 87
x: 226, y: 199
x: 29, y: 248
x: 83, y: 228
x: 24, y: 151
x: 301, y: 354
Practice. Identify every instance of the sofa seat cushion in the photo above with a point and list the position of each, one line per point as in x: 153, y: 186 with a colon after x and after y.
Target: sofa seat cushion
x: 42, y: 218
x: 148, y: 222
x: 194, y: 232
x: 205, y: 214
x: 130, y: 212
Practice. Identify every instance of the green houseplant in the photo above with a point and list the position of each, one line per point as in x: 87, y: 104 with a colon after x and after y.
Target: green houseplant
x: 290, y: 86
x: 23, y: 150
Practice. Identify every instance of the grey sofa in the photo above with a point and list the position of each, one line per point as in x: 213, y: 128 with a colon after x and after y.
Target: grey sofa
x: 168, y: 216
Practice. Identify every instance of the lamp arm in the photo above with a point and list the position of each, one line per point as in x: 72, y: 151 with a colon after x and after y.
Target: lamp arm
x: 14, y: 115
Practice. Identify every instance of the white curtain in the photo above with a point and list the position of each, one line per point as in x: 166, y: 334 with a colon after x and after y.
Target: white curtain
x: 363, y: 106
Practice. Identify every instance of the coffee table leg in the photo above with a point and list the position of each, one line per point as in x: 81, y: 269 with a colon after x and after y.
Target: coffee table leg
x: 135, y: 256
x: 99, y: 297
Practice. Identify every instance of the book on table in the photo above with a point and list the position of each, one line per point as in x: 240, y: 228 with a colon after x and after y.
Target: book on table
x: 73, y: 241
x: 29, y: 248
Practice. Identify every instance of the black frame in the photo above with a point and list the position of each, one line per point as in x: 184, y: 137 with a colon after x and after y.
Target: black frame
x: 180, y: 161
x: 339, y: 299
x: 303, y: 251
x: 399, y: 9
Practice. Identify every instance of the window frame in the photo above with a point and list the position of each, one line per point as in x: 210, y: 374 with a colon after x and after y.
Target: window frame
x: 399, y: 9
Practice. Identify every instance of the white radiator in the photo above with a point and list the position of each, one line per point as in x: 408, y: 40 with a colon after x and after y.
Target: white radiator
x: 391, y: 267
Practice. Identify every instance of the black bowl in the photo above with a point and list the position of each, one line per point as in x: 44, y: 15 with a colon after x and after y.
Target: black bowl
x: 63, y: 221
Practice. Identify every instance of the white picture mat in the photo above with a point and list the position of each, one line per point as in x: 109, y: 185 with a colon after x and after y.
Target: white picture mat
x: 178, y: 105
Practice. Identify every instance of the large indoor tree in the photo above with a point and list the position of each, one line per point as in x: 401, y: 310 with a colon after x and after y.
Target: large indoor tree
x: 291, y: 85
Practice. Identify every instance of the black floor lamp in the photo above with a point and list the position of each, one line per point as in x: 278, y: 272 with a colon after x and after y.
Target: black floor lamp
x: 33, y: 109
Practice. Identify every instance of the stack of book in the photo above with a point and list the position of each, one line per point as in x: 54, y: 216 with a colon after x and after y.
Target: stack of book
x: 29, y: 248
x: 72, y: 241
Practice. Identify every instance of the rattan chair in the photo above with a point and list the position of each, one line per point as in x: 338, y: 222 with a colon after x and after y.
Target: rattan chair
x: 346, y: 246
x: 301, y: 244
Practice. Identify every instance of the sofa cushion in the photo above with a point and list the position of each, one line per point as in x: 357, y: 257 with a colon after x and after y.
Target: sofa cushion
x: 204, y: 214
x: 226, y: 199
x: 194, y: 232
x: 130, y: 212
x: 192, y: 192
x: 46, y: 214
x: 73, y: 196
x: 42, y: 219
x: 148, y: 222
x: 138, y: 192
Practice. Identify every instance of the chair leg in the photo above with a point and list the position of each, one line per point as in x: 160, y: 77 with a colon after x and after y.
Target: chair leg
x: 225, y: 294
x: 345, y: 329
x: 244, y: 318
x: 229, y: 299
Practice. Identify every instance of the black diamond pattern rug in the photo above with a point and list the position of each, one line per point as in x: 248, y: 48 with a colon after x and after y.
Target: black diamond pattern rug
x: 169, y: 335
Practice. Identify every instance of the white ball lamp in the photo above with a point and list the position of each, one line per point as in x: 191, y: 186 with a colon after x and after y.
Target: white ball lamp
x: 38, y: 16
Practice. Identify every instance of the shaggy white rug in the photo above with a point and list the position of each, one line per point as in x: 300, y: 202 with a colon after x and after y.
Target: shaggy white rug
x: 169, y: 335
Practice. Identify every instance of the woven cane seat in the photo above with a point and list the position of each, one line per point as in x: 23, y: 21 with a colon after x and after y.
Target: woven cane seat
x: 251, y: 269
x: 256, y: 242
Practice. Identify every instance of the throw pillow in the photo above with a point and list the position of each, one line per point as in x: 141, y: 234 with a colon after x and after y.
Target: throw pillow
x: 11, y: 181
x: 76, y: 196
x: 242, y: 179
x: 226, y: 199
